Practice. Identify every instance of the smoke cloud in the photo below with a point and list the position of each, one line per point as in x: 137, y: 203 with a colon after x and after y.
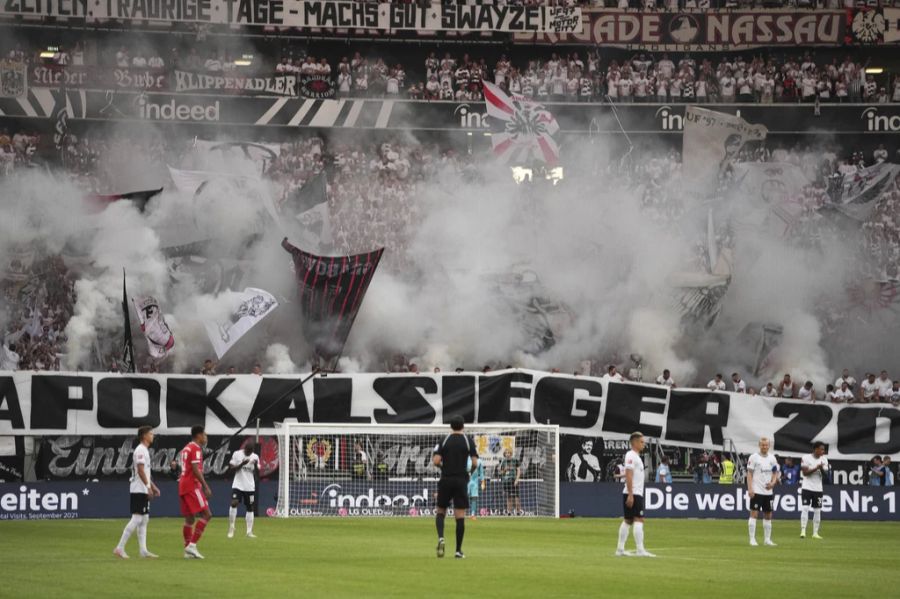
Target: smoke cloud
x: 537, y: 276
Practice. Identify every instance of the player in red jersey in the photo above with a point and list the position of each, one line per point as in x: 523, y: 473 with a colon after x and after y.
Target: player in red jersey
x: 193, y: 492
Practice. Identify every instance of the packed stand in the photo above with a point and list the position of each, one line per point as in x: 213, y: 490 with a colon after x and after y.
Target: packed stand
x: 39, y: 296
x: 607, y: 75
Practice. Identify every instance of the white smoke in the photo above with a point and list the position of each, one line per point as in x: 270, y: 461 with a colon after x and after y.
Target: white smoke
x: 483, y: 249
x: 278, y: 360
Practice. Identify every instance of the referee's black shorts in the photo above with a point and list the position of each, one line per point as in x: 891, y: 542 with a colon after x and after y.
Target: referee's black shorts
x: 455, y: 489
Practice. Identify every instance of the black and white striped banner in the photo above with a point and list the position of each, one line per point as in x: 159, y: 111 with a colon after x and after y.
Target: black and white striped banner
x: 378, y: 113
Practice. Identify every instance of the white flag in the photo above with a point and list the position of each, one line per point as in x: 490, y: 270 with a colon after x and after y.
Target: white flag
x: 160, y: 340
x: 712, y: 141
x: 250, y: 306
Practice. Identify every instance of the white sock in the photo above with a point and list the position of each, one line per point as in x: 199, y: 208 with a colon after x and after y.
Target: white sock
x: 804, y: 518
x: 129, y: 529
x: 639, y: 535
x: 624, y: 529
x: 142, y: 532
x: 767, y: 530
x: 751, y: 524
x: 817, y: 520
x: 249, y: 522
x: 232, y: 516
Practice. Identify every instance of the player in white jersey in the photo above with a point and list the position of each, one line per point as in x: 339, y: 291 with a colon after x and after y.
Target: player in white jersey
x: 142, y: 489
x: 633, y: 498
x: 762, y: 475
x: 244, y: 463
x: 813, y: 466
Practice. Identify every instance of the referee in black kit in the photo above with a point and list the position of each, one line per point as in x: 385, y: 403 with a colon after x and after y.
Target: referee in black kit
x: 451, y: 456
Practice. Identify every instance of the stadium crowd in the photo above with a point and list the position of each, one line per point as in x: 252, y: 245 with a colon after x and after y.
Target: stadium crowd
x: 549, y: 75
x: 38, y: 297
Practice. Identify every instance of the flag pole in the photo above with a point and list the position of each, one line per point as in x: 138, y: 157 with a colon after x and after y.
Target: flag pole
x: 128, y: 343
x: 293, y: 388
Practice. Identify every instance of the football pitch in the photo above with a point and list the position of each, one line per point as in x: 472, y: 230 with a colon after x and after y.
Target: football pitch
x: 396, y: 558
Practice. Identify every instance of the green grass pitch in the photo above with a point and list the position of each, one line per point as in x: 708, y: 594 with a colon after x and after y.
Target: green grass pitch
x: 505, y: 558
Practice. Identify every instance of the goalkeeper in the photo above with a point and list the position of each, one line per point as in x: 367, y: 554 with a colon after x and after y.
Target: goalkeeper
x: 476, y: 484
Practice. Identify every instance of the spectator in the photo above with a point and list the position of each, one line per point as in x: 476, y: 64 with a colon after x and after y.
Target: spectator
x: 894, y: 396
x: 790, y: 472
x: 257, y: 370
x: 888, y: 472
x: 738, y: 385
x: 213, y: 63
x: 612, y: 374
x: 807, y: 392
x: 665, y: 379
x: 344, y: 81
x: 726, y: 472
x: 123, y: 61
x: 787, y: 388
x: 209, y: 368
x: 768, y: 391
x: 845, y: 378
x: 664, y: 472
x: 884, y: 385
x: 844, y: 394
x: 716, y: 384
x: 193, y: 62
x: 78, y: 55
x: 868, y: 390
x: 700, y: 468
x: 829, y: 394
x: 876, y: 472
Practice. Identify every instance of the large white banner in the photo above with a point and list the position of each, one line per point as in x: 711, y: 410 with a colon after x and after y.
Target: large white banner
x: 384, y: 16
x: 712, y: 141
x: 34, y: 403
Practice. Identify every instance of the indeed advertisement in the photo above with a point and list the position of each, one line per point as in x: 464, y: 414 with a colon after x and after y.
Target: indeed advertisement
x: 398, y: 498
x: 688, y: 500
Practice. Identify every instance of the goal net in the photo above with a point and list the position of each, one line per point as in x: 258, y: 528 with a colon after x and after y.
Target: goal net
x: 387, y: 470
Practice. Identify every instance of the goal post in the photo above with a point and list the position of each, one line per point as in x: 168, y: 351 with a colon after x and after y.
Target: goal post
x: 387, y: 470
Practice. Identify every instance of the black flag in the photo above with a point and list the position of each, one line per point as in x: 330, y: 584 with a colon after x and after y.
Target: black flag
x: 128, y: 349
x: 330, y: 290
x: 309, y: 196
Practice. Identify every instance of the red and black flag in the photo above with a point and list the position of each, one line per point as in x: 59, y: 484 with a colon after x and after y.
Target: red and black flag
x: 98, y: 202
x: 330, y: 290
